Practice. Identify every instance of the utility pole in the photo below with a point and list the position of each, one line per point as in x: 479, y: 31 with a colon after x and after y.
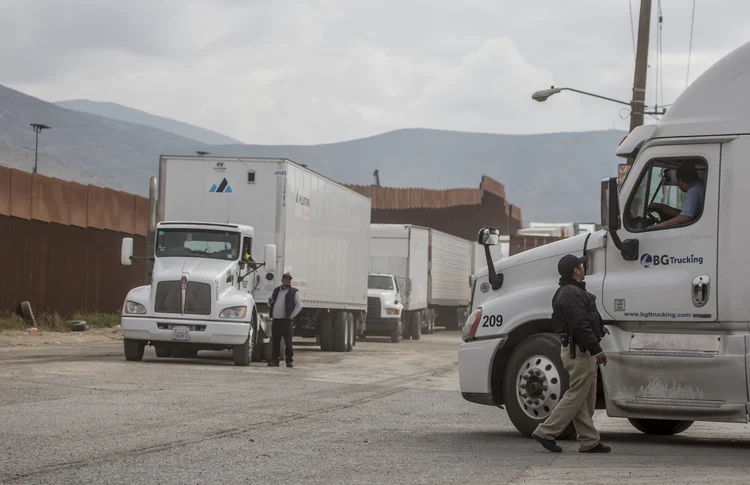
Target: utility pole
x: 638, y: 101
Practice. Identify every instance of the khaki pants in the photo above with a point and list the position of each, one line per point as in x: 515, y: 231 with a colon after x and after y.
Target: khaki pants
x: 577, y: 404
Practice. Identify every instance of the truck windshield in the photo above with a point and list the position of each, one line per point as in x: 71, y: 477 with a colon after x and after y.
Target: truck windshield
x: 380, y: 283
x: 198, y: 243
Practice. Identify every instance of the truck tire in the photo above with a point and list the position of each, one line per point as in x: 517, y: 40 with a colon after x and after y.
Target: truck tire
x: 350, y: 331
x: 134, y: 349
x: 416, y: 325
x: 325, y: 330
x: 340, y: 327
x: 430, y: 317
x: 540, y: 354
x: 258, y: 350
x: 162, y: 351
x: 663, y: 427
x: 396, y: 333
x: 406, y: 327
x: 241, y: 354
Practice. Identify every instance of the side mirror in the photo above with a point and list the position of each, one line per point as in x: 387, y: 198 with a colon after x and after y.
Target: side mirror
x: 610, y: 213
x: 126, y: 251
x: 488, y: 236
x: 610, y: 205
x: 407, y: 285
x: 471, y: 280
x: 269, y: 260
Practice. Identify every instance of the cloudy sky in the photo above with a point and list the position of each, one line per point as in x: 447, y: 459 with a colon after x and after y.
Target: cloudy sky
x: 286, y: 71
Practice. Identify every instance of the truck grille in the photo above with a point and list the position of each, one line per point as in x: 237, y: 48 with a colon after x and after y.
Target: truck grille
x: 167, y: 297
x: 373, y: 306
x: 197, y: 298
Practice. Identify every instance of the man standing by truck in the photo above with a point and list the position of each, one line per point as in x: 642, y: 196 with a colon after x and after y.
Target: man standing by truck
x: 575, y: 317
x: 284, y: 305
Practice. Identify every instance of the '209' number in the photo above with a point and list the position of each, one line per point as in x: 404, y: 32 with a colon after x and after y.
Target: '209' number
x: 492, y: 320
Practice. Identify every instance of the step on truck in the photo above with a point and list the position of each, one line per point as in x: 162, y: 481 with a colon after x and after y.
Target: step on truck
x: 425, y: 272
x: 204, y: 295
x: 673, y: 296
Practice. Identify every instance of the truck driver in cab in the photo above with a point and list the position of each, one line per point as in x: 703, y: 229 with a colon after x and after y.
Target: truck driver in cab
x: 690, y: 183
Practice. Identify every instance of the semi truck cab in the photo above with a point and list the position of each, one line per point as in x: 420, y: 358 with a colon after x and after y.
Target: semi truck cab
x: 384, y: 307
x: 200, y: 296
x: 672, y: 292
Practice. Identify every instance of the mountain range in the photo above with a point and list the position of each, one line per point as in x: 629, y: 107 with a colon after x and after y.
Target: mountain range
x: 551, y: 177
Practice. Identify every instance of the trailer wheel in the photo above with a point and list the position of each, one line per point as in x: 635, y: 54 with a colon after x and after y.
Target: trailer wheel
x: 163, y: 351
x: 535, y: 359
x: 416, y: 325
x: 664, y: 427
x: 340, y: 327
x: 349, y: 331
x: 325, y: 330
x: 134, y: 349
x: 396, y: 332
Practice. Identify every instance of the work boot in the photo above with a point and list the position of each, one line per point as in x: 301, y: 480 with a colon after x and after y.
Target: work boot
x: 289, y: 364
x: 549, y: 445
x: 599, y: 448
x: 273, y: 364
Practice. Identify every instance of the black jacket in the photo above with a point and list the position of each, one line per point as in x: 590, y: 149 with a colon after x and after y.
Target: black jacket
x: 574, y: 312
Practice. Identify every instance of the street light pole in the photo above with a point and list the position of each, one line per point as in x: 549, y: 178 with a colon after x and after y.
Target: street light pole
x: 37, y: 129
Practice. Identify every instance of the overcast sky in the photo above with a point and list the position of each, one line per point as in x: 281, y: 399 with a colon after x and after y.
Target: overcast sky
x: 285, y: 71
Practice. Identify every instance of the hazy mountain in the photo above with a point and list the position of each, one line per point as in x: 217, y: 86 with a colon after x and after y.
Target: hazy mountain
x: 552, y: 177
x: 123, y: 113
x: 82, y: 147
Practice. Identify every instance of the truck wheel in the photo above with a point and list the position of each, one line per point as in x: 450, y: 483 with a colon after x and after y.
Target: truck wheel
x: 162, y: 351
x: 664, y: 427
x: 349, y: 331
x: 396, y: 333
x: 134, y: 349
x: 258, y: 349
x: 416, y: 326
x: 326, y: 332
x: 340, y: 326
x: 534, y: 382
x: 406, y: 327
x: 241, y: 353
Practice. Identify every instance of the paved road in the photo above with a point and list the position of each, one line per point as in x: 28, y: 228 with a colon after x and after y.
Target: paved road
x: 385, y: 413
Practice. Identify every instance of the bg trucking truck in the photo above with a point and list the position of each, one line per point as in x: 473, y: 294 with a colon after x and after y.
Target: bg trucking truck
x: 203, y: 296
x: 419, y: 278
x: 675, y: 299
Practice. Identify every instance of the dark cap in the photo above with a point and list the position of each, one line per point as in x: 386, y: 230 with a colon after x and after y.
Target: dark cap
x: 569, y: 262
x: 286, y: 276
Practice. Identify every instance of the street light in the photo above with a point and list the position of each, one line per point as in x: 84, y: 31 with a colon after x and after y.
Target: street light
x: 38, y: 129
x: 546, y: 93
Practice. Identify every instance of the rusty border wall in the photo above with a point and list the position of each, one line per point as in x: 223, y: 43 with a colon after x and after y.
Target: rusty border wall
x: 60, y: 244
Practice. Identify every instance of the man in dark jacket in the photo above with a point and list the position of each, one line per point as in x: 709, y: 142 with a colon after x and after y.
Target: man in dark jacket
x: 284, y: 305
x: 575, y: 317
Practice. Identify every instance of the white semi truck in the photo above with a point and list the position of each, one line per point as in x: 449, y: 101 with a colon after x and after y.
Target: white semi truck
x: 673, y: 297
x: 431, y: 273
x: 204, y: 296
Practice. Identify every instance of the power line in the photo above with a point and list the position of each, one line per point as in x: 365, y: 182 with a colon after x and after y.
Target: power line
x: 690, y: 49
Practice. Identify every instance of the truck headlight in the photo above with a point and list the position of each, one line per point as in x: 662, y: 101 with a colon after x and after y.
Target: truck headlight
x: 133, y: 307
x: 235, y: 312
x: 393, y: 311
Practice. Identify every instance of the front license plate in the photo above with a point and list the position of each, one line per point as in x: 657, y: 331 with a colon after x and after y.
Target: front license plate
x: 181, y: 334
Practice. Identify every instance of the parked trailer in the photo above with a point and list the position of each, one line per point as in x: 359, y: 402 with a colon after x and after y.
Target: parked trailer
x: 432, y: 272
x: 309, y: 226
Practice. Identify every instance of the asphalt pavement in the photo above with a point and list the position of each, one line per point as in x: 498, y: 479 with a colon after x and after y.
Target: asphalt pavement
x: 382, y: 414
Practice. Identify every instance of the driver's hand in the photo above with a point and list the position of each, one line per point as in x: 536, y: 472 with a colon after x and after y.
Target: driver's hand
x: 605, y: 330
x: 601, y: 358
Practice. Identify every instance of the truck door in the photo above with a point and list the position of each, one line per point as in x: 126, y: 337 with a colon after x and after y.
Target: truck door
x: 673, y: 278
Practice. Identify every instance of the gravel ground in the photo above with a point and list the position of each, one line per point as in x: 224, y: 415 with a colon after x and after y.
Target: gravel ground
x: 76, y: 412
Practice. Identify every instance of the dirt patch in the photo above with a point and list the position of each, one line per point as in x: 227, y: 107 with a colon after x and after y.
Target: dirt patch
x: 19, y: 338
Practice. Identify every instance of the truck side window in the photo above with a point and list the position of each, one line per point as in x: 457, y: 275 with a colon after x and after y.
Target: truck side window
x: 669, y: 193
